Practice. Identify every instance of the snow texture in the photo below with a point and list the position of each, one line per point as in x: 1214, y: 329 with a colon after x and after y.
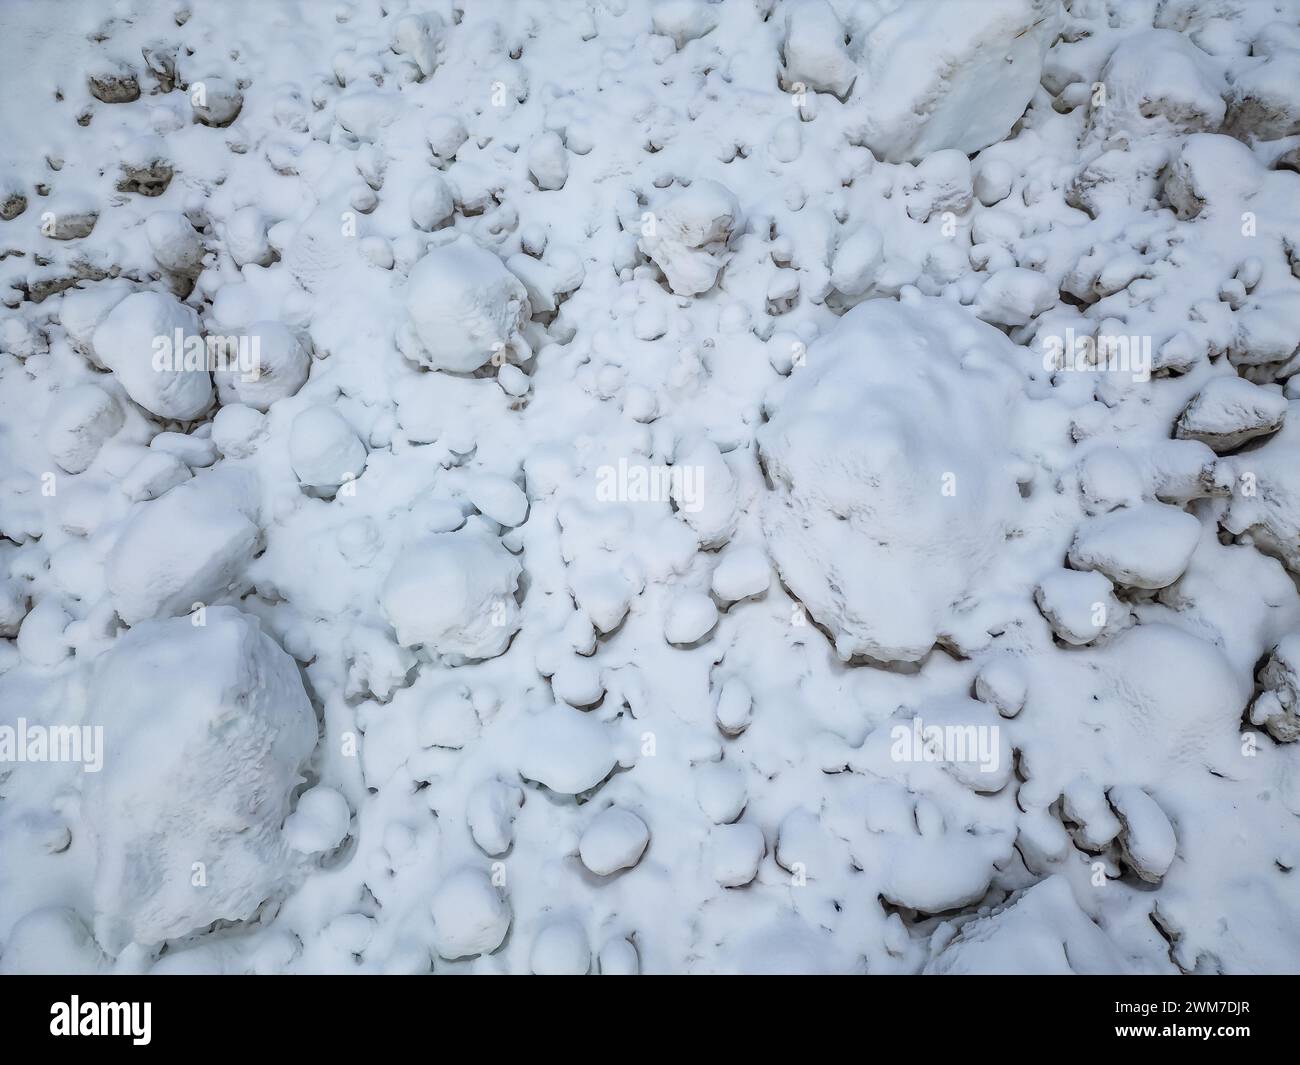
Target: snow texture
x: 650, y: 486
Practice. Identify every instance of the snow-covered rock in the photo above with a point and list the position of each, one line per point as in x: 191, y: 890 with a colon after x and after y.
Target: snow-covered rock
x: 470, y: 915
x: 319, y: 821
x: 51, y: 941
x: 146, y: 340
x: 735, y: 853
x: 814, y: 50
x: 186, y: 829
x: 877, y: 523
x: 615, y: 839
x: 1043, y: 931
x: 1146, y: 546
x: 279, y: 367
x: 567, y: 750
x: 1277, y: 707
x: 1158, y: 83
x: 464, y: 307
x: 951, y: 74
x: 190, y: 546
x: 80, y: 420
x: 454, y: 594
x: 1146, y: 840
x: 324, y: 450
x: 688, y: 238
x: 560, y: 948
x: 1230, y: 411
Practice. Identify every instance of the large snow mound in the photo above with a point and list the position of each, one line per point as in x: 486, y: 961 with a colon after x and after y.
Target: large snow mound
x: 203, y: 761
x: 893, y: 474
x: 952, y: 74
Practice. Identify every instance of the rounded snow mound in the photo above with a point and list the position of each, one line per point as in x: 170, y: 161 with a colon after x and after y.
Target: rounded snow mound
x: 465, y: 307
x: 200, y: 764
x: 951, y: 74
x: 138, y: 342
x: 893, y: 482
x: 454, y: 593
x: 689, y: 240
x: 1044, y: 932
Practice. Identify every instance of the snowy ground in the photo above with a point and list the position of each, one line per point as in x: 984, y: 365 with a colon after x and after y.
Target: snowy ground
x: 608, y: 485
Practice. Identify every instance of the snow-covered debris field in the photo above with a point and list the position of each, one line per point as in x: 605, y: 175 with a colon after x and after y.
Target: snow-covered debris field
x: 662, y: 486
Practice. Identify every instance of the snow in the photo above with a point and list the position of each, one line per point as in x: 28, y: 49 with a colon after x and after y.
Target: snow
x: 1229, y: 411
x: 125, y: 343
x: 560, y: 949
x: 567, y: 750
x: 319, y: 821
x: 953, y: 75
x: 81, y: 419
x: 1147, y: 546
x: 859, y: 511
x: 614, y: 840
x: 470, y: 916
x: 191, y: 833
x: 279, y: 369
x: 189, y: 547
x: 464, y: 306
x: 454, y: 594
x: 747, y: 486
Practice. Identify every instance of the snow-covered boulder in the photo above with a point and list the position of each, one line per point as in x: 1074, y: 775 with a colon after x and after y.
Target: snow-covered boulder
x: 734, y: 707
x: 324, y: 449
x: 742, y: 572
x: 51, y: 941
x: 548, y: 162
x: 81, y: 418
x: 470, y: 915
x: 279, y: 367
x: 490, y: 811
x: 138, y: 342
x: 204, y: 759
x: 464, y: 307
x: 432, y: 203
x: 246, y: 239
x: 1145, y: 546
x: 735, y: 853
x: 454, y: 594
x: 690, y: 618
x: 216, y: 101
x: 1079, y: 605
x: 560, y: 948
x: 498, y: 498
x: 688, y: 238
x: 951, y: 74
x: 683, y: 20
x: 878, y: 522
x: 419, y: 37
x: 857, y: 260
x: 567, y: 750
x: 1264, y: 99
x: 1277, y: 707
x: 615, y: 839
x: 941, y: 182
x: 190, y: 546
x: 1146, y: 839
x: 1042, y: 932
x: 319, y: 822
x: 176, y: 247
x: 1015, y: 296
x: 814, y: 50
x: 1158, y: 83
x: 1211, y: 173
x: 1229, y: 411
